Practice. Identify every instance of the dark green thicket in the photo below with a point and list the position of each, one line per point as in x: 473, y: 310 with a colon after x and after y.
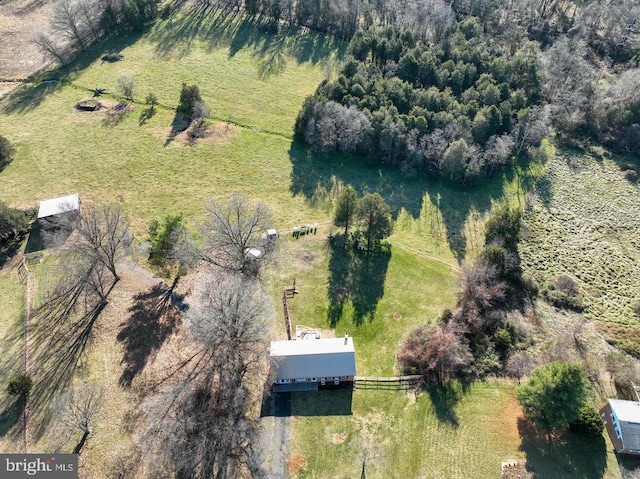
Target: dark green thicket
x: 459, y: 108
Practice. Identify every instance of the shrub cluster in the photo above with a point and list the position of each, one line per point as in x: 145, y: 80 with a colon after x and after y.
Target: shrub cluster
x: 7, y: 151
x: 564, y: 294
x: 476, y: 338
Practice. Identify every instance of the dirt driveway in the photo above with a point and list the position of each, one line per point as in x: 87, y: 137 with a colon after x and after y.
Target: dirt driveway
x: 275, y: 431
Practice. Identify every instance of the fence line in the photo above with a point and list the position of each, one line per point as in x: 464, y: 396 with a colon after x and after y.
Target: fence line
x: 25, y: 277
x: 397, y: 383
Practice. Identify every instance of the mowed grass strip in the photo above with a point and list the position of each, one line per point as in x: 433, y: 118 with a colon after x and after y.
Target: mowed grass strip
x: 11, y: 345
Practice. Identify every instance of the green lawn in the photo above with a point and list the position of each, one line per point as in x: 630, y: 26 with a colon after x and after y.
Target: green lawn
x: 458, y: 433
x: 11, y: 345
x: 383, y: 296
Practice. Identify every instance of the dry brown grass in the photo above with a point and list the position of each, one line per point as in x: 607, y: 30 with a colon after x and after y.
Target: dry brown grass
x: 295, y: 463
x: 20, y: 21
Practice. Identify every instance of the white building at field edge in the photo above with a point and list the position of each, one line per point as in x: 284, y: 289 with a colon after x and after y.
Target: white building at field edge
x: 58, y: 206
x: 304, y: 365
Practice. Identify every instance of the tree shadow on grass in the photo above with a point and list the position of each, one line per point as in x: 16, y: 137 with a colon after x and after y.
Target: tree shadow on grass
x: 30, y: 95
x: 567, y: 455
x: 319, y: 174
x: 61, y: 328
x: 115, y: 116
x: 219, y: 27
x: 146, y: 115
x: 153, y: 319
x: 271, y: 58
x: 356, y: 276
x: 10, y: 417
x: 445, y: 398
x: 179, y: 124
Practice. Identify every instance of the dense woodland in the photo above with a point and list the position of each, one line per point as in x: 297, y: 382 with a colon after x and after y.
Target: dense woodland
x: 459, y: 107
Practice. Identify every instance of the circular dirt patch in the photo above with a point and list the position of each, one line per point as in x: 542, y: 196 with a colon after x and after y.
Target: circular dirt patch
x: 295, y: 463
x: 88, y: 105
x: 339, y: 438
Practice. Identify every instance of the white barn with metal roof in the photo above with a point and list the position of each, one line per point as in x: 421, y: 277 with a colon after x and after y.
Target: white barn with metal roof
x: 308, y: 363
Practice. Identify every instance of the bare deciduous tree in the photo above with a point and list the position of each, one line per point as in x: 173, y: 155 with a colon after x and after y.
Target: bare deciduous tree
x: 233, y: 236
x: 105, y: 235
x: 76, y: 409
x: 67, y: 21
x: 90, y: 12
x: 206, y: 410
x: 435, y: 352
x: 50, y: 49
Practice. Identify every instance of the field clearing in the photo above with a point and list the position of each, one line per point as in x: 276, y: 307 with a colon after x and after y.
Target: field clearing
x: 254, y: 84
x: 584, y: 221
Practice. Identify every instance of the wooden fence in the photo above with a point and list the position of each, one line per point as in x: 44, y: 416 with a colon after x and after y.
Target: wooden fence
x: 393, y: 383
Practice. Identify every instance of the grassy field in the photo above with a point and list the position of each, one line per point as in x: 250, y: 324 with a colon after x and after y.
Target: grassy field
x: 381, y: 297
x: 254, y: 84
x: 583, y: 221
x: 106, y: 156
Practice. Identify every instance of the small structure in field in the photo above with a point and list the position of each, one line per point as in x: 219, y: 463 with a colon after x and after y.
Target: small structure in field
x: 51, y: 210
x: 306, y: 365
x: 272, y: 234
x: 622, y: 421
x: 55, y: 222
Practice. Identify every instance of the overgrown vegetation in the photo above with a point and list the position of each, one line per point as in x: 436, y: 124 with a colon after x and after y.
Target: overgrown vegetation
x: 20, y: 385
x: 476, y: 338
x: 13, y: 222
x: 7, y: 152
x: 580, y: 244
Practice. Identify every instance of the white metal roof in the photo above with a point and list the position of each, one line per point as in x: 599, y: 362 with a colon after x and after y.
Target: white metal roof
x: 627, y: 411
x: 272, y: 232
x: 316, y: 358
x: 317, y: 346
x: 56, y: 206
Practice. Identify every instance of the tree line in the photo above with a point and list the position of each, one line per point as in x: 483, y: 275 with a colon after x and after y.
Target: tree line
x: 76, y: 24
x: 459, y: 108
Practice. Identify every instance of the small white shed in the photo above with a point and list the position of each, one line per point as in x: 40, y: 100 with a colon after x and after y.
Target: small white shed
x: 56, y: 206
